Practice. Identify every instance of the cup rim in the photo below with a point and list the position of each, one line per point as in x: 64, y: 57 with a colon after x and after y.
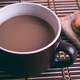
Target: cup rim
x: 43, y: 48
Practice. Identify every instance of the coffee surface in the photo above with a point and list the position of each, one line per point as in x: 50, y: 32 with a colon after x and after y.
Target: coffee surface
x: 25, y: 33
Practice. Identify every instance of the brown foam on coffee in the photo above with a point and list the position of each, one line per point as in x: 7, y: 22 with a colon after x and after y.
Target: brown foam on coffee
x: 25, y: 33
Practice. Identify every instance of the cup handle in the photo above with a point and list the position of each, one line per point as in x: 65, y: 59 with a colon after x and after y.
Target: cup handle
x: 66, y: 54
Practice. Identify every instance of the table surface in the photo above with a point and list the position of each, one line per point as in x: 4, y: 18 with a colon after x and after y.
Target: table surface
x: 61, y: 8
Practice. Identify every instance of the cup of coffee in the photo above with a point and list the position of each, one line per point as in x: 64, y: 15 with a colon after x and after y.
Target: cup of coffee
x: 30, y: 40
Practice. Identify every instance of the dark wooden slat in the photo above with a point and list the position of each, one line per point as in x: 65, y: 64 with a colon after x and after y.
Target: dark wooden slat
x: 62, y: 1
x: 36, y: 1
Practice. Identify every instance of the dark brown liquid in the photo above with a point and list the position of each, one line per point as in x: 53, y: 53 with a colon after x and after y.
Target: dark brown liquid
x: 25, y: 33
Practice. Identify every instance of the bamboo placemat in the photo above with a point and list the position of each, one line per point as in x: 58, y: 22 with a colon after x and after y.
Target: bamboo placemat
x: 61, y: 8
